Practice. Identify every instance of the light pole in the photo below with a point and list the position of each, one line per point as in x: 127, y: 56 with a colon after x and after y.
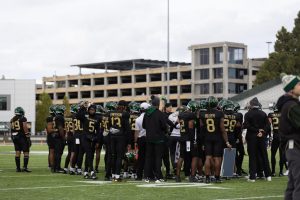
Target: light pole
x: 268, y: 43
x: 168, y: 49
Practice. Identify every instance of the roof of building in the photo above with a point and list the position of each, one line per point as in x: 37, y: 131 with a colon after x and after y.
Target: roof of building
x: 257, y: 89
x: 129, y: 64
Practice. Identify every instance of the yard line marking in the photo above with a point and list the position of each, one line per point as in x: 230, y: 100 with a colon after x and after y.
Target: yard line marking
x: 29, y: 175
x: 181, y: 185
x: 49, y: 187
x: 261, y: 197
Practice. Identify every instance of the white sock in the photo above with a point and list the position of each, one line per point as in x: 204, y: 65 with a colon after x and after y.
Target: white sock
x: 117, y: 176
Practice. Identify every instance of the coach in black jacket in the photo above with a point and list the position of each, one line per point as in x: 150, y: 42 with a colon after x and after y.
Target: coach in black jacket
x: 258, y: 126
x: 155, y: 124
x: 289, y: 129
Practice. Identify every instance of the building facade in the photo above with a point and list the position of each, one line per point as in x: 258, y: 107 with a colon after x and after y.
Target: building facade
x: 219, y: 69
x: 14, y: 93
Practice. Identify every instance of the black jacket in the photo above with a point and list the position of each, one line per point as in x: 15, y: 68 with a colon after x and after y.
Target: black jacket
x: 287, y: 127
x: 256, y: 119
x: 155, y: 124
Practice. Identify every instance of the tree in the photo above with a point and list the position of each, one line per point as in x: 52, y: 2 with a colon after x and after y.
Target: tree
x: 286, y: 57
x: 42, y: 111
x: 67, y: 105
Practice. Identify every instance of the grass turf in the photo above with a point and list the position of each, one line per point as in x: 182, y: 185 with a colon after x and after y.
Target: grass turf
x: 41, y: 184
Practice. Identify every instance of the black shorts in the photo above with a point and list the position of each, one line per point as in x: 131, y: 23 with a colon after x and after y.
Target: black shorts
x: 194, y: 151
x: 50, y: 141
x: 21, y: 144
x: 214, y: 147
x: 71, y: 144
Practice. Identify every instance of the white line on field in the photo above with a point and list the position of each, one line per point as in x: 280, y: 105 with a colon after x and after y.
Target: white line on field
x: 29, y: 175
x: 49, y: 187
x: 261, y: 197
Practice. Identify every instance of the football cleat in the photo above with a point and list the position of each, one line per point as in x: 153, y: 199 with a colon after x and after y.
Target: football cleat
x: 159, y: 181
x: 207, y: 181
x: 177, y: 179
x: 193, y: 179
x: 86, y: 175
x: 18, y: 170
x: 147, y: 180
x: 26, y: 170
x: 93, y: 176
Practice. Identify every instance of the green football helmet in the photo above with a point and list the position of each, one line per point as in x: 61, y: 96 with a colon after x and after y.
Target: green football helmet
x: 100, y: 109
x: 193, y: 106
x: 228, y: 106
x: 130, y: 157
x: 237, y: 106
x: 74, y: 108
x: 212, y: 102
x: 111, y: 106
x: 202, y: 105
x: 182, y: 109
x: 52, y: 109
x: 19, y: 111
x: 221, y: 103
x: 60, y: 109
x: 134, y: 107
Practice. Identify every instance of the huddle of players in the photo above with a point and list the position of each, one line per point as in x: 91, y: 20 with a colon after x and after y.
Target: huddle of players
x: 85, y: 131
x: 204, y: 129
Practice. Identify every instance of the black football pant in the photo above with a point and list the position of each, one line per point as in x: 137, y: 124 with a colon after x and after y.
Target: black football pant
x: 240, y: 152
x: 58, y: 151
x: 78, y: 152
x: 141, y: 156
x: 274, y: 147
x: 153, y: 162
x: 172, y: 143
x: 118, y: 146
x: 257, y: 147
x: 107, y: 157
x: 88, y: 147
x: 166, y: 157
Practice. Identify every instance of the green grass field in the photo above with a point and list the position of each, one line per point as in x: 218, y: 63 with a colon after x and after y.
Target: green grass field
x: 41, y: 184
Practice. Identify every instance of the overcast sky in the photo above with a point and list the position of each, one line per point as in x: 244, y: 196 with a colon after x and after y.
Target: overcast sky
x: 43, y: 37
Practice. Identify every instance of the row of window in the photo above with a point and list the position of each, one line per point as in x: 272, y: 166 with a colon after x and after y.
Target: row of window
x: 235, y: 55
x: 233, y: 73
x: 233, y: 88
x: 123, y: 79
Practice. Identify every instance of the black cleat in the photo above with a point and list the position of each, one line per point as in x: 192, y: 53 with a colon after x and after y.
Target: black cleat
x: 72, y: 173
x: 96, y: 170
x: 207, y: 181
x: 93, y: 176
x: 281, y: 174
x: 26, y: 170
x: 218, y: 180
x: 177, y: 179
x: 193, y: 179
x: 273, y: 174
x: 18, y: 170
x: 170, y: 176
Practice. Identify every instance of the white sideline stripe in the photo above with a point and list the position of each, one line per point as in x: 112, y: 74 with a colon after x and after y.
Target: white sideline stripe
x: 261, y: 197
x: 39, y: 152
x: 49, y: 187
x: 29, y: 175
x: 181, y: 185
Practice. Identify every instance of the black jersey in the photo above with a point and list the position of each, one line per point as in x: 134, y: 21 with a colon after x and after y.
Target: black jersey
x: 211, y: 121
x: 16, y: 124
x: 118, y: 123
x: 275, y: 116
x: 185, y: 132
x: 91, y: 125
x: 132, y: 118
x: 69, y: 125
x: 58, y: 122
x: 230, y: 122
x: 104, y: 123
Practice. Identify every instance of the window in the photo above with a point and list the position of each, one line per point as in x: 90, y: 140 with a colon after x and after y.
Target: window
x: 235, y: 55
x: 204, y: 56
x: 218, y: 55
x: 236, y: 88
x: 204, y: 73
x: 218, y: 88
x: 4, y: 102
x: 218, y: 72
x: 235, y: 73
x: 204, y: 88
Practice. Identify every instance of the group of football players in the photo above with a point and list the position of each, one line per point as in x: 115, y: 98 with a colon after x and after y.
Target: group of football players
x: 196, y: 136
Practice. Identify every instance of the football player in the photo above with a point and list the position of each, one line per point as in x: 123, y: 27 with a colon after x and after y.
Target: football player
x: 50, y: 137
x: 274, y: 117
x: 91, y: 128
x: 21, y: 138
x: 69, y: 140
x: 120, y: 136
x: 215, y: 135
